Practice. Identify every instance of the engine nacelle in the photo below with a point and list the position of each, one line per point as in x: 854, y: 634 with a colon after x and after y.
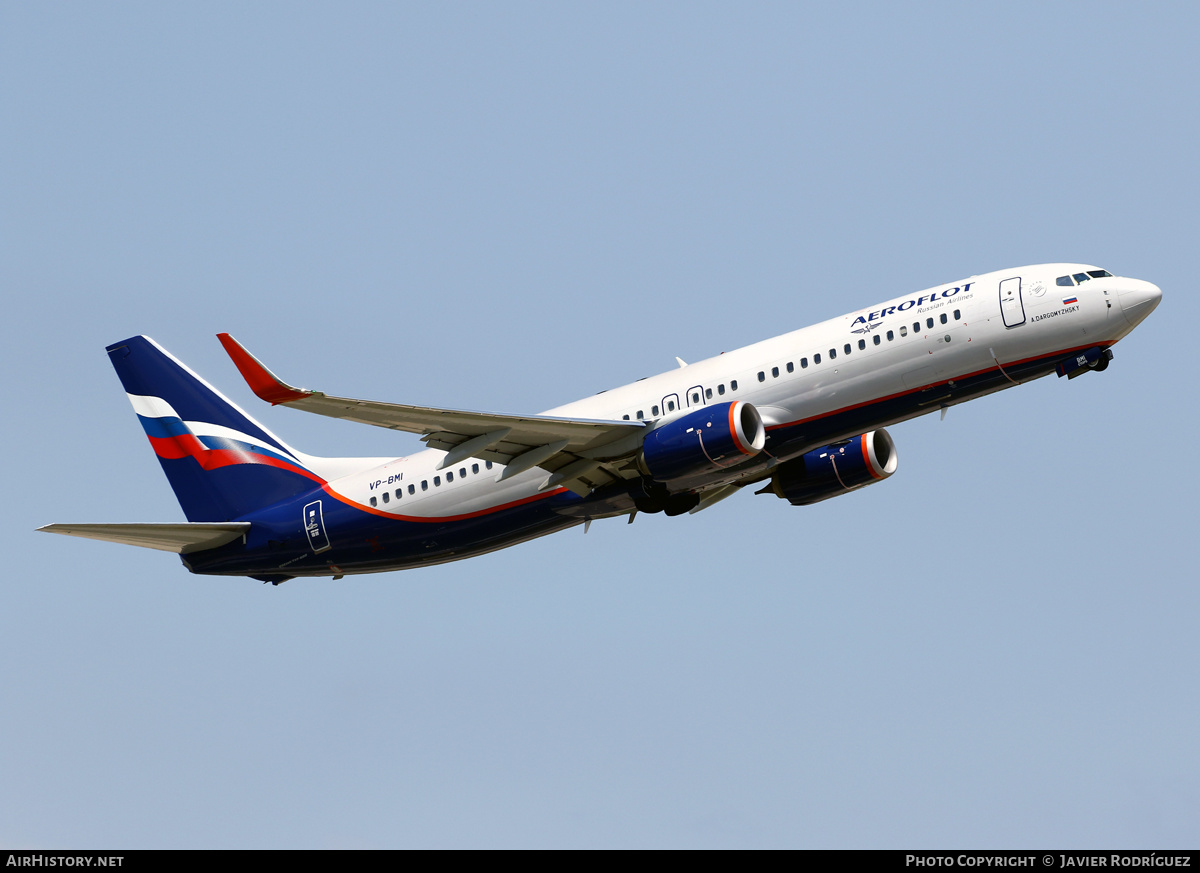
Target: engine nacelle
x: 832, y: 470
x: 707, y: 440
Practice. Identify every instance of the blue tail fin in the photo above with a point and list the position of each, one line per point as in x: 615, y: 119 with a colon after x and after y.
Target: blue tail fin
x: 221, y: 463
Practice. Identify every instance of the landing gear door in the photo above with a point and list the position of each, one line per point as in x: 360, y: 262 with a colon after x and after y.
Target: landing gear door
x: 1012, y: 310
x: 314, y: 527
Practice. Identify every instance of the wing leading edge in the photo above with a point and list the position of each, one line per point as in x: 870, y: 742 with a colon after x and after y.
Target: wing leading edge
x: 580, y: 454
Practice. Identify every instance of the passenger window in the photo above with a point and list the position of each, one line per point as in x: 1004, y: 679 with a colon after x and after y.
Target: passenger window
x: 903, y: 331
x: 832, y: 354
x: 462, y: 472
x: 625, y: 418
x: 695, y: 397
x: 733, y: 384
x: 804, y: 363
x: 437, y: 481
x: 1080, y: 277
x: 449, y: 477
x: 774, y: 372
x: 641, y: 415
x: 1064, y: 280
x: 387, y: 498
x: 916, y: 327
x: 654, y: 410
x: 399, y: 493
x: 862, y: 344
x: 474, y: 469
x: 817, y: 358
x: 670, y: 406
x: 791, y: 368
x: 957, y: 314
x: 929, y: 323
x: 891, y: 336
x: 708, y: 394
x: 876, y: 339
x: 944, y: 319
x: 721, y: 389
x: 412, y: 489
x: 424, y: 484
x: 762, y: 377
x: 374, y: 501
x: 487, y: 464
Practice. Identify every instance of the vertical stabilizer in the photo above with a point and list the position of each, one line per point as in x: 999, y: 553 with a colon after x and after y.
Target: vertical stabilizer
x: 221, y: 463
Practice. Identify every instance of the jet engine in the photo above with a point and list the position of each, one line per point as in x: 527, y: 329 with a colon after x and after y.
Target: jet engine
x: 835, y: 469
x: 702, y: 442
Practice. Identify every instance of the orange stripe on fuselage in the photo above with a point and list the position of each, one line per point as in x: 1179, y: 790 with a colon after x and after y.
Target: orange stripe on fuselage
x: 437, y: 518
x: 875, y: 400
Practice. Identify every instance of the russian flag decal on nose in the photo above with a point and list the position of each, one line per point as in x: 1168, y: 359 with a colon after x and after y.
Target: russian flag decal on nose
x: 1067, y: 301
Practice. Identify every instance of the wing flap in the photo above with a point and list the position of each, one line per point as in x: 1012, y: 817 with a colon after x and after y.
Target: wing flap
x: 181, y: 537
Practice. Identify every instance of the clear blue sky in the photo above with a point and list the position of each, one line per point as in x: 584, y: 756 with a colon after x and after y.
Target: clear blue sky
x: 509, y: 206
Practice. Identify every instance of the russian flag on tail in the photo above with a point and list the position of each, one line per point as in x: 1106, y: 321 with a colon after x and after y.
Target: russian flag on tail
x: 221, y: 463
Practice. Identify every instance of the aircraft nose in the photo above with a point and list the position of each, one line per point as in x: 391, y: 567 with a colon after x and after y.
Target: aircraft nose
x: 1138, y: 299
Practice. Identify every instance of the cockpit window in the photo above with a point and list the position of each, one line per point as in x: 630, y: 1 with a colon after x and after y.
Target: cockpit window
x: 1083, y: 277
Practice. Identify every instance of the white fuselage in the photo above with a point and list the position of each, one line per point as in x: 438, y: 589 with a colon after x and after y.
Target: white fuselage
x: 895, y: 348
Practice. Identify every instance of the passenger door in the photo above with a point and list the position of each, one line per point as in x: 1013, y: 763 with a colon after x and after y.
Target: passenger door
x: 314, y: 527
x: 1012, y: 309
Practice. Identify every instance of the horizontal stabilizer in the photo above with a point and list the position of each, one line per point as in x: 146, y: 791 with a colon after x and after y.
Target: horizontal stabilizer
x: 178, y: 537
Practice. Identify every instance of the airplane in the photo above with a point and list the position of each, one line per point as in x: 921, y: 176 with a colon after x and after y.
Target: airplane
x: 803, y: 413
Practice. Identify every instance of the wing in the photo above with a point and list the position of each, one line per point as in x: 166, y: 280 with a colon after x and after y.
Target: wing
x: 579, y: 454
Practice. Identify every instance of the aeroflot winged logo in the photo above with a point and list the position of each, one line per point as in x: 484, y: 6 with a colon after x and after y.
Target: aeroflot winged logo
x: 870, y: 321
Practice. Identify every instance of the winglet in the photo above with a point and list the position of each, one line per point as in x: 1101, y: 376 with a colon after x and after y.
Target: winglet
x: 262, y: 381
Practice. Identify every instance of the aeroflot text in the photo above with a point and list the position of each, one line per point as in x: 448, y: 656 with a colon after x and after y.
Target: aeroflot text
x: 909, y: 304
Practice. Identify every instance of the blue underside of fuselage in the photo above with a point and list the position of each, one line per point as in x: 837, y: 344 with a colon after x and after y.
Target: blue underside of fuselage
x: 360, y: 542
x: 363, y: 542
